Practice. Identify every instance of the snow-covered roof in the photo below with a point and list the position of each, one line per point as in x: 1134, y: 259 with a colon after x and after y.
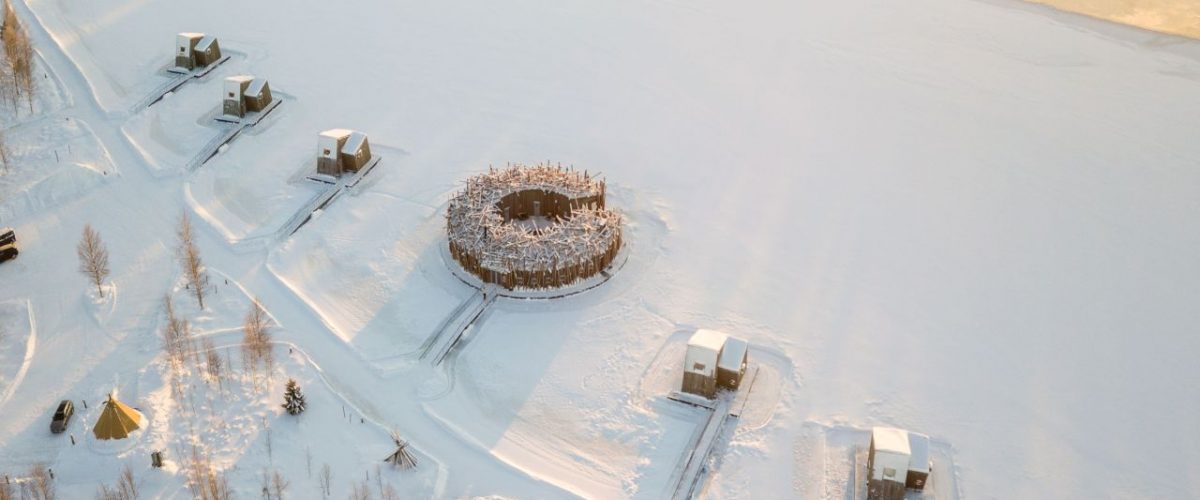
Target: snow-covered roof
x: 205, y: 42
x: 733, y: 353
x: 355, y: 142
x: 185, y: 40
x: 256, y: 85
x: 337, y: 133
x: 708, y: 339
x: 891, y: 440
x: 234, y: 83
x: 919, y: 445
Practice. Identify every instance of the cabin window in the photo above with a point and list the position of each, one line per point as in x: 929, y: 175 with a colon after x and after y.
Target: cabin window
x: 232, y: 95
x: 326, y: 152
x: 181, y: 49
x: 889, y: 472
x: 698, y: 367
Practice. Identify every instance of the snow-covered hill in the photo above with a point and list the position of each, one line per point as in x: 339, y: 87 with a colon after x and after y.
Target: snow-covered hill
x: 974, y: 219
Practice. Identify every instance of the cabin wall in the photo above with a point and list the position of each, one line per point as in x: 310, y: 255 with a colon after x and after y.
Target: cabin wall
x: 331, y: 163
x: 729, y: 379
x: 184, y: 54
x: 353, y: 162
x: 208, y: 56
x: 916, y: 480
x: 233, y: 107
x: 259, y: 102
x: 698, y: 384
x: 539, y: 278
x: 885, y: 490
x: 880, y: 486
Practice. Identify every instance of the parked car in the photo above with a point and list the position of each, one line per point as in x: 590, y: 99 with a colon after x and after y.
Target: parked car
x: 7, y: 235
x: 62, y: 416
x: 8, y: 252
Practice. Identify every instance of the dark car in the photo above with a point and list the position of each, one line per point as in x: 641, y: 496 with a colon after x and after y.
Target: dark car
x: 8, y: 252
x: 7, y: 235
x: 62, y: 416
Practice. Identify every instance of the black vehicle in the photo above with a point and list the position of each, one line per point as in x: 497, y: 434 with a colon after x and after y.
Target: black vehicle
x: 8, y: 252
x: 62, y: 416
x: 7, y: 235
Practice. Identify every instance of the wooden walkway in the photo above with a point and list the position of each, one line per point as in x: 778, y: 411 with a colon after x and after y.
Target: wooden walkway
x: 324, y: 198
x: 176, y: 78
x: 724, y: 411
x: 450, y: 333
x: 229, y: 131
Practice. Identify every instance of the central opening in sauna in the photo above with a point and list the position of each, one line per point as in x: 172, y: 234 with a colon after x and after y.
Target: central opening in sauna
x: 534, y: 209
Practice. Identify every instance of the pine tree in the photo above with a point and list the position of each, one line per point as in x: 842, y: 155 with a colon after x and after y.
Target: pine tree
x: 293, y: 400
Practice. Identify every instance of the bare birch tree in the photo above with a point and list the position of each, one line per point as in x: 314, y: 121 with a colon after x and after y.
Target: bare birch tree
x: 189, y: 258
x: 125, y: 489
x: 176, y: 345
x: 93, y: 258
x: 18, y: 52
x: 205, y: 481
x: 175, y: 333
x: 126, y: 484
x: 325, y: 478
x: 7, y: 492
x: 274, y: 486
x: 40, y: 485
x: 4, y: 153
x: 214, y: 366
x: 361, y: 491
x: 256, y: 339
x: 9, y: 91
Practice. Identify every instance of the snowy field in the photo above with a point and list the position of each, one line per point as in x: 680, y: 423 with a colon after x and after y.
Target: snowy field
x: 971, y: 218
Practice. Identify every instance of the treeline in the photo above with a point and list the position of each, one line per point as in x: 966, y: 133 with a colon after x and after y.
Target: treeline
x: 16, y: 69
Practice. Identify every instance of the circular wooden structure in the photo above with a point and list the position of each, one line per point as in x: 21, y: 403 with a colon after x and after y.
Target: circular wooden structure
x: 532, y: 227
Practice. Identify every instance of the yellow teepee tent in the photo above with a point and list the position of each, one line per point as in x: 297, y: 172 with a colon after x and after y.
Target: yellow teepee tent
x: 116, y: 421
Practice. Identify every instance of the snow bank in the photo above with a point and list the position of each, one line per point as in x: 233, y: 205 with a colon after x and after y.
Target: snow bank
x: 53, y: 161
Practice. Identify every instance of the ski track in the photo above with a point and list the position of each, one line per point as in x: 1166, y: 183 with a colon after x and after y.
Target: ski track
x: 30, y: 349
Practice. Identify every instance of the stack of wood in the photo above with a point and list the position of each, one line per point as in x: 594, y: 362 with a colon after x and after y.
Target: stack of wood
x: 401, y: 458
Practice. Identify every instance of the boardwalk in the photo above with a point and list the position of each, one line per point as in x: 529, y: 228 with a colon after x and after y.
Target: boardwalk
x: 324, y: 198
x: 450, y: 333
x: 696, y: 457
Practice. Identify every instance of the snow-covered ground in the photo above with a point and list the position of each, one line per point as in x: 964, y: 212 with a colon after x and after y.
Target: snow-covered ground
x: 974, y: 219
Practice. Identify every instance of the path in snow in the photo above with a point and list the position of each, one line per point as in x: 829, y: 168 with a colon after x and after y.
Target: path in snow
x: 27, y: 358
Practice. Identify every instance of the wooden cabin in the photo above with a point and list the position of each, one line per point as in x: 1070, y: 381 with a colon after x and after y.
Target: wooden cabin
x: 196, y: 50
x: 206, y: 51
x: 919, y: 463
x: 341, y: 150
x: 700, y: 362
x: 731, y: 366
x: 887, y: 464
x: 355, y: 152
x: 257, y: 95
x: 185, y: 45
x: 234, y: 95
x: 329, y: 147
x: 714, y: 361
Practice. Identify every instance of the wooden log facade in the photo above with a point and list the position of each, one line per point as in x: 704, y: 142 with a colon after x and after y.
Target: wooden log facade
x: 578, y: 238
